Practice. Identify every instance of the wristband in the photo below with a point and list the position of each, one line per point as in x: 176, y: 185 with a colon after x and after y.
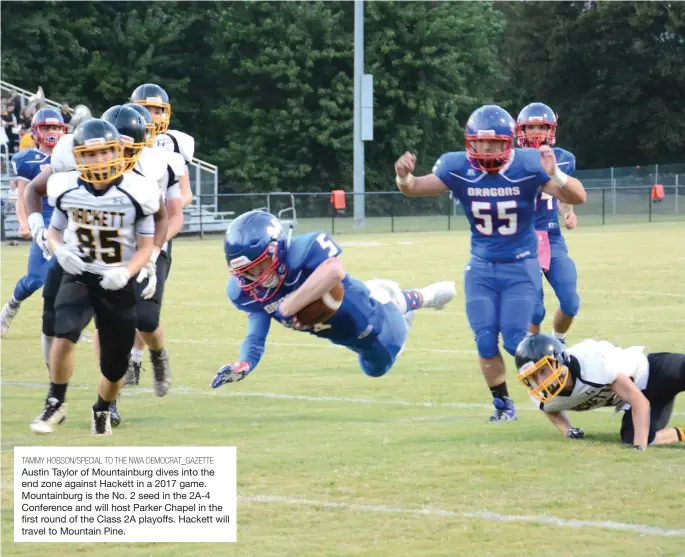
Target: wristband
x: 559, y: 177
x: 408, y: 180
x: 154, y: 255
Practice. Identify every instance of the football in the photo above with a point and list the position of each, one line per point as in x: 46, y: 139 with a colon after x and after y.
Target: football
x: 322, y: 309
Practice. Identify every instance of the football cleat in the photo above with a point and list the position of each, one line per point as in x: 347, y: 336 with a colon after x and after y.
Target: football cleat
x: 161, y: 372
x: 133, y: 370
x: 8, y: 313
x: 101, y: 423
x: 505, y: 411
x: 438, y: 294
x: 115, y: 417
x: 52, y: 415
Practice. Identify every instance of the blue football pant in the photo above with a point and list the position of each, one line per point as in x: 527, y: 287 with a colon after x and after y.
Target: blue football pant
x: 563, y: 278
x: 378, y: 359
x: 500, y: 298
x: 35, y: 277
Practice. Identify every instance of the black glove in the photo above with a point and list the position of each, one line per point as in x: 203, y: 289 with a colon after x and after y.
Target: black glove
x: 575, y: 433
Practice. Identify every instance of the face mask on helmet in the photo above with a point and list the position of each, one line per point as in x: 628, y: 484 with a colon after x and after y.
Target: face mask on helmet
x: 132, y: 151
x: 260, y: 279
x: 535, y: 133
x: 159, y: 110
x: 488, y: 152
x: 100, y: 161
x: 47, y: 132
x: 544, y: 379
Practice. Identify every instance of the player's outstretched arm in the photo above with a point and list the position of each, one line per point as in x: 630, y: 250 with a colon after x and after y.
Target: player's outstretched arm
x: 626, y: 390
x: 563, y: 424
x: 320, y: 282
x: 251, y: 351
x: 24, y: 230
x: 413, y: 186
x: 161, y: 225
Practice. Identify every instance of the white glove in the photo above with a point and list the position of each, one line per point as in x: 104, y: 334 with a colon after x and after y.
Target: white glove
x: 70, y: 262
x: 42, y: 242
x: 148, y: 272
x: 115, y: 279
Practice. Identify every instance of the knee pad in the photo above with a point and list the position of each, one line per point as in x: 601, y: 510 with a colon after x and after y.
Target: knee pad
x: 148, y: 316
x: 49, y: 317
x: 373, y: 369
x: 569, y: 302
x: 486, y: 343
x: 512, y: 338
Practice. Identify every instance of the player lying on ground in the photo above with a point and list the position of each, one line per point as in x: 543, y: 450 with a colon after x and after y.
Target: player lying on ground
x: 536, y: 125
x: 593, y: 374
x: 497, y: 186
x: 276, y: 277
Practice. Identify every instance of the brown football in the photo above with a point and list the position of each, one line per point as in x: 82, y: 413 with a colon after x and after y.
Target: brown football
x: 323, y: 309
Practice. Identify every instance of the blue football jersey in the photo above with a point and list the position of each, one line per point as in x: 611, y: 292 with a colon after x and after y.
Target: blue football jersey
x: 499, y: 206
x: 546, y: 206
x: 28, y: 164
x: 358, y: 320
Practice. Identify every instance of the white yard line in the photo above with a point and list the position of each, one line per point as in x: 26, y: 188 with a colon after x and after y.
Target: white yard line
x: 226, y: 392
x: 478, y: 515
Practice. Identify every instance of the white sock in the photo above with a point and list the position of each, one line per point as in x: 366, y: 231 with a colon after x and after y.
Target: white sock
x: 559, y: 336
x: 136, y: 355
x: 46, y: 343
x: 14, y: 303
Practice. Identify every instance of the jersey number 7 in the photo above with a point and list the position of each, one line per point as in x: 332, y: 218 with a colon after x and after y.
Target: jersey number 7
x: 482, y: 211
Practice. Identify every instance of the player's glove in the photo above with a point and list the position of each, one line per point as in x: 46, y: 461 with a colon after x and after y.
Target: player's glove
x: 231, y: 373
x: 70, y: 262
x: 289, y: 321
x: 115, y: 279
x: 575, y: 433
x: 41, y: 241
x: 148, y: 272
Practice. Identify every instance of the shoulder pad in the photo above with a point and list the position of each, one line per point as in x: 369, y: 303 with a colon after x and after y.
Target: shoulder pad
x: 450, y: 161
x: 144, y: 190
x: 60, y: 183
x: 528, y: 158
x: 185, y: 143
x: 175, y: 161
x: 152, y: 164
x: 63, y: 155
x: 298, y: 250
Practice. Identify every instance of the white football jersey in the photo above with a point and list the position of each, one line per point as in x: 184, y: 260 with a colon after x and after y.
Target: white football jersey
x: 599, y: 363
x: 101, y: 226
x: 177, y: 142
x: 63, y: 154
x: 163, y: 167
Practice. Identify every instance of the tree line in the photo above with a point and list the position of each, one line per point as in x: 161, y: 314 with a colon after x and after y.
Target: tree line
x: 266, y: 87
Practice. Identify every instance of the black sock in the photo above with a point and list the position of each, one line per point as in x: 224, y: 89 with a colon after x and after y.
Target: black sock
x: 102, y: 405
x: 58, y: 391
x: 500, y: 391
x: 155, y: 354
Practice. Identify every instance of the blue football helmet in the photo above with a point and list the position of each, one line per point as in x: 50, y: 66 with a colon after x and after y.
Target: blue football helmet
x: 47, y: 126
x: 536, y: 113
x: 253, y: 239
x: 489, y: 123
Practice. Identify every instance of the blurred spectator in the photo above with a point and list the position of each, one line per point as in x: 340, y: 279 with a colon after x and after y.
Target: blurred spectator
x: 66, y: 113
x: 27, y: 141
x: 9, y: 120
x: 25, y: 118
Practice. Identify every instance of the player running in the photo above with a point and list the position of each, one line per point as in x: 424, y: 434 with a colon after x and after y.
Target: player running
x: 497, y: 185
x: 536, y: 125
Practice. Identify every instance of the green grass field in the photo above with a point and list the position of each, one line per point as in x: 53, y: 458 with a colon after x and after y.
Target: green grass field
x: 333, y: 463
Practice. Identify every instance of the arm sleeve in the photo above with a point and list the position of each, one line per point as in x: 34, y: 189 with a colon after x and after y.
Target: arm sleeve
x: 252, y: 348
x: 145, y: 226
x: 59, y: 220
